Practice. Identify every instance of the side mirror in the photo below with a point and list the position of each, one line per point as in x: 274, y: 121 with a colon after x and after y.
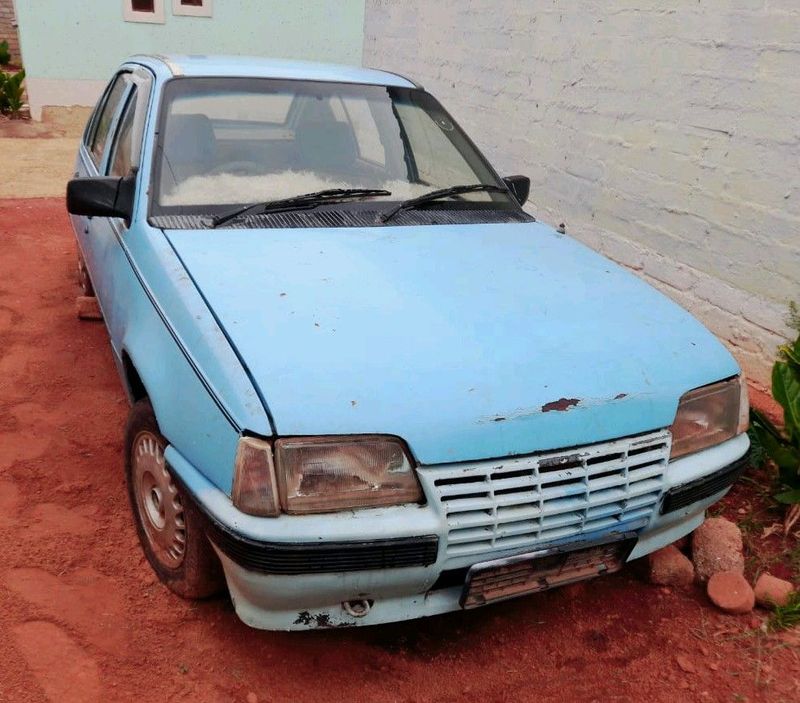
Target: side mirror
x: 101, y: 196
x: 520, y: 186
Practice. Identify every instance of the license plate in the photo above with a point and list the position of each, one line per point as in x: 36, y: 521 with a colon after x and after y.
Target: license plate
x: 542, y: 570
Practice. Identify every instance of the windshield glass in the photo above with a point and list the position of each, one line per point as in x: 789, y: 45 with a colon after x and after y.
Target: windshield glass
x: 229, y: 141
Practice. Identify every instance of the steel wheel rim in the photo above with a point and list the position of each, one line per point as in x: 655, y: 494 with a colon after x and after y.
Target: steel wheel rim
x: 158, y: 501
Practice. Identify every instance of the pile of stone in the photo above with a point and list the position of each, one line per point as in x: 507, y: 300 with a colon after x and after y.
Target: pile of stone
x: 717, y: 562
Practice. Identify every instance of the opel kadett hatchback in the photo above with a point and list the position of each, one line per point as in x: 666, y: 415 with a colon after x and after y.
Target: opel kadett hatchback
x: 366, y: 385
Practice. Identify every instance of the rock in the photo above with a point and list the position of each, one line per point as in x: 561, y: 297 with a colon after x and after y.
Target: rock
x: 729, y: 591
x: 771, y: 591
x: 686, y: 664
x: 668, y: 567
x: 717, y: 546
x: 252, y: 697
x: 88, y: 308
x: 755, y: 623
x: 682, y: 543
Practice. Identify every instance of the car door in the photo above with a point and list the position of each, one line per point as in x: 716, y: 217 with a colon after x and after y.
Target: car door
x: 92, y: 158
x: 121, y: 154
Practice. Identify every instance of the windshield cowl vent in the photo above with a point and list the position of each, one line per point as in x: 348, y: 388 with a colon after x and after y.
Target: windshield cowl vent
x: 351, y: 218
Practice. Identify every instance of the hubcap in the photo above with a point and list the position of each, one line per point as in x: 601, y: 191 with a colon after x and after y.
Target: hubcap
x: 158, y: 500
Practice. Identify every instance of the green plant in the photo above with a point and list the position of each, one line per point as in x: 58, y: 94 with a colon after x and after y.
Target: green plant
x: 5, y: 54
x: 11, y: 92
x: 786, y: 616
x: 783, y: 447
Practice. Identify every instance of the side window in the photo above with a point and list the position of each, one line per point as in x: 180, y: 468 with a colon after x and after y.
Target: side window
x: 97, y: 140
x: 122, y: 159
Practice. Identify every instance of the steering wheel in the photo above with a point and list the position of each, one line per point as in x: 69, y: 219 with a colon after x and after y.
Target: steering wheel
x: 238, y: 168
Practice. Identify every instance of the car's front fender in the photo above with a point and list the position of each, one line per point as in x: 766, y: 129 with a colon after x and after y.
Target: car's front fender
x: 200, y: 391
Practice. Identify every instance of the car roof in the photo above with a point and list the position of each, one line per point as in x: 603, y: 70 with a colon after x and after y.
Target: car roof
x: 258, y: 67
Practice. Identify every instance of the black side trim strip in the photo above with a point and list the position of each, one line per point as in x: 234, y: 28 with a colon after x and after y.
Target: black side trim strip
x: 688, y: 493
x: 325, y: 557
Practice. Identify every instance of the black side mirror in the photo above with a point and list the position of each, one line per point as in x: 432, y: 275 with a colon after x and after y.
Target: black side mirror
x: 101, y: 196
x: 520, y: 186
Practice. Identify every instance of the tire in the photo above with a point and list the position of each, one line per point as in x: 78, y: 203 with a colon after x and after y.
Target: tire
x: 83, y: 278
x: 169, y: 525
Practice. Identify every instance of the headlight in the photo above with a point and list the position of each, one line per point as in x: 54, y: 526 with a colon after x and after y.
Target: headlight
x: 710, y: 415
x: 323, y: 474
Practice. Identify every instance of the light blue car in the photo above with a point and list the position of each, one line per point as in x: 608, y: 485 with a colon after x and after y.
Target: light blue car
x: 366, y: 386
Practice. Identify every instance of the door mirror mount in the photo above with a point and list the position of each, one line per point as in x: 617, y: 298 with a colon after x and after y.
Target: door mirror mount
x: 520, y: 186
x: 102, y: 196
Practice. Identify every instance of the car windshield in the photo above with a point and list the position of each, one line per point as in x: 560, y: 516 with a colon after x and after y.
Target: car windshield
x: 229, y: 141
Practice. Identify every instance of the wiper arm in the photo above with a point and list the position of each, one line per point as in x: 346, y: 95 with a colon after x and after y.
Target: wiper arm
x: 307, y: 200
x: 438, y: 195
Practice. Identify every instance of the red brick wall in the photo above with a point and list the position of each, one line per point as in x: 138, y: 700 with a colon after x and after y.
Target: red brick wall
x: 8, y: 29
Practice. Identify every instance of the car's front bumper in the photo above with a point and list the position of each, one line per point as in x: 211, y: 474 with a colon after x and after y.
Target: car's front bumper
x: 301, y: 572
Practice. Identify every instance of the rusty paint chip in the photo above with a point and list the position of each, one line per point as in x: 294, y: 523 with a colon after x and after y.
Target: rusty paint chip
x: 550, y: 462
x: 560, y: 405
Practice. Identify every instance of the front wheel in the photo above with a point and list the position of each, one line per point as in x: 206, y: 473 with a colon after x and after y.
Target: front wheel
x: 169, y: 525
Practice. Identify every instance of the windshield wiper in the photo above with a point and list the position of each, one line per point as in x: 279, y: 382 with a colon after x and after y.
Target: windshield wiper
x: 438, y: 195
x: 298, y: 202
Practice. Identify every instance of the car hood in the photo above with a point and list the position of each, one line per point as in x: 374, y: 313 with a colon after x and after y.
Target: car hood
x: 469, y: 342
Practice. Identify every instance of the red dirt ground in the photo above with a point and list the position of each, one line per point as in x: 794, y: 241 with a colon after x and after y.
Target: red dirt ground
x: 83, y: 619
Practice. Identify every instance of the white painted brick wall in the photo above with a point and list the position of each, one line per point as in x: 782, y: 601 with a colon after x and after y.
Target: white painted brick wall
x: 665, y: 135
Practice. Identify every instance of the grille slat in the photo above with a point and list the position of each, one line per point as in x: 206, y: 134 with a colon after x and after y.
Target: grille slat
x: 642, y: 458
x: 550, y: 496
x: 478, y: 518
x: 469, y: 534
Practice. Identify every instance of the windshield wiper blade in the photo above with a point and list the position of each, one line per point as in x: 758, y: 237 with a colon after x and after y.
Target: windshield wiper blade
x: 439, y: 194
x: 307, y: 200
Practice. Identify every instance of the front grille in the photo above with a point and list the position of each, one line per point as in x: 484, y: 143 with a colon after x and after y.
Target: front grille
x: 497, y: 505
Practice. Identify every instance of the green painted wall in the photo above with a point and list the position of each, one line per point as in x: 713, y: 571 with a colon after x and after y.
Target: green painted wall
x: 87, y: 39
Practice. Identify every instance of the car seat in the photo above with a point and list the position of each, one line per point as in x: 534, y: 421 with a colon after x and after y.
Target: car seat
x: 189, y: 147
x: 326, y: 146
